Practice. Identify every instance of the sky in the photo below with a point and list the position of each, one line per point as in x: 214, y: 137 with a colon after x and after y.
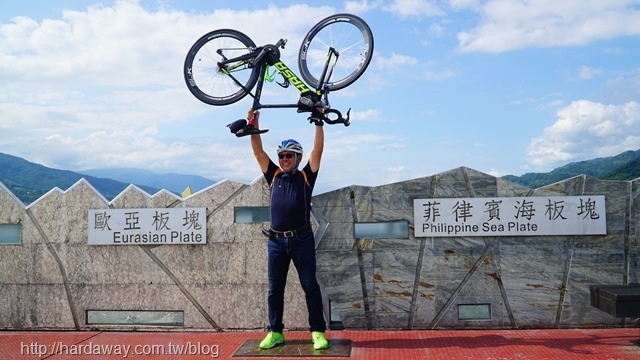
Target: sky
x: 499, y: 86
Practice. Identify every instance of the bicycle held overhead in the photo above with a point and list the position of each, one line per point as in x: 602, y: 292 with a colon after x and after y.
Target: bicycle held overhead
x: 225, y: 65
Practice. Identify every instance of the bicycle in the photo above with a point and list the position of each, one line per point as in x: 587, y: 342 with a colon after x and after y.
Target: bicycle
x: 225, y: 65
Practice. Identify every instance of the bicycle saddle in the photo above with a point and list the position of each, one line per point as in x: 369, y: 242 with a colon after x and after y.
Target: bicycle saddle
x: 241, y: 128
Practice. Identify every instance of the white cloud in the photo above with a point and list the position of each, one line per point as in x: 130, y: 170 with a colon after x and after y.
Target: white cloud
x: 587, y: 73
x: 624, y: 86
x: 395, y: 61
x: 399, y: 61
x: 369, y: 115
x: 465, y: 4
x: 146, y: 148
x: 395, y: 145
x: 552, y: 100
x: 361, y: 139
x: 102, y: 86
x: 499, y: 172
x: 439, y: 75
x: 126, y: 44
x: 414, y: 8
x: 510, y: 25
x: 586, y: 130
x: 84, y: 90
x: 396, y: 169
x: 362, y: 6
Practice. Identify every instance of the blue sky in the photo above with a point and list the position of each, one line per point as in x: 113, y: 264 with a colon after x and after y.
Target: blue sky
x: 502, y: 87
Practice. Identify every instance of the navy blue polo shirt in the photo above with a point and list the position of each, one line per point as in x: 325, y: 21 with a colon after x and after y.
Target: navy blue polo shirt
x: 290, y: 197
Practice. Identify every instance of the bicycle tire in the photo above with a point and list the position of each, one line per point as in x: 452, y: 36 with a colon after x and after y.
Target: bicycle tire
x: 350, y: 36
x: 204, y: 77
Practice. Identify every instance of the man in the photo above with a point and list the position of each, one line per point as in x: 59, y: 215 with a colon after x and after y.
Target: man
x: 291, y: 237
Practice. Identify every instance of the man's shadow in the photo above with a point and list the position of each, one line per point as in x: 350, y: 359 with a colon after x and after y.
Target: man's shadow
x: 572, y: 345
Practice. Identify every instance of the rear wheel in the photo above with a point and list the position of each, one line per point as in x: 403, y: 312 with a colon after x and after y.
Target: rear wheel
x: 350, y: 37
x: 215, y: 84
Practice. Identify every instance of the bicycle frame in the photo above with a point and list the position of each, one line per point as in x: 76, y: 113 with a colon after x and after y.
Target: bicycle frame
x: 290, y: 77
x: 288, y: 74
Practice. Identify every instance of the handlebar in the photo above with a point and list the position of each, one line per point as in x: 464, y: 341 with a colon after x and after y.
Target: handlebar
x: 330, y: 116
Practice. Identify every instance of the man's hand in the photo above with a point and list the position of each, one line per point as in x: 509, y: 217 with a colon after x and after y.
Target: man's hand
x: 252, y: 117
x: 317, y: 115
x: 244, y: 127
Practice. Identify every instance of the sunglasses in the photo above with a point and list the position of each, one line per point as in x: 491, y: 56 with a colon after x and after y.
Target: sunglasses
x: 287, y: 155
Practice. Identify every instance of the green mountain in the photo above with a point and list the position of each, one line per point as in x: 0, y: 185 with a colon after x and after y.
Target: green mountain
x: 624, y: 166
x: 175, y: 183
x: 29, y: 181
x: 630, y: 170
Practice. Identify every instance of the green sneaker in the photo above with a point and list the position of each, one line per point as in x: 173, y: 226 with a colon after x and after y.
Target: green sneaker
x: 273, y: 338
x: 319, y: 342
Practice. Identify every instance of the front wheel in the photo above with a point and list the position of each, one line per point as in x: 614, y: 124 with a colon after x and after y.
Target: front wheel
x: 345, y: 34
x: 215, y: 83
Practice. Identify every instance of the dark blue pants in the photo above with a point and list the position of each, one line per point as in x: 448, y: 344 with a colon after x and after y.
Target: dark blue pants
x: 301, y: 250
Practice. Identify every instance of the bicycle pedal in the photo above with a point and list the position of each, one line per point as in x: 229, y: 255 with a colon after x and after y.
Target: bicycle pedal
x: 250, y: 130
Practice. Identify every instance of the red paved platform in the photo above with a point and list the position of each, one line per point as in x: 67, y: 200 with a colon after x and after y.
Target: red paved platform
x: 619, y: 343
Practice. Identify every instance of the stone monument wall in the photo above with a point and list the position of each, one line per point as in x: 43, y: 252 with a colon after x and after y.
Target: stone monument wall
x: 53, y: 278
